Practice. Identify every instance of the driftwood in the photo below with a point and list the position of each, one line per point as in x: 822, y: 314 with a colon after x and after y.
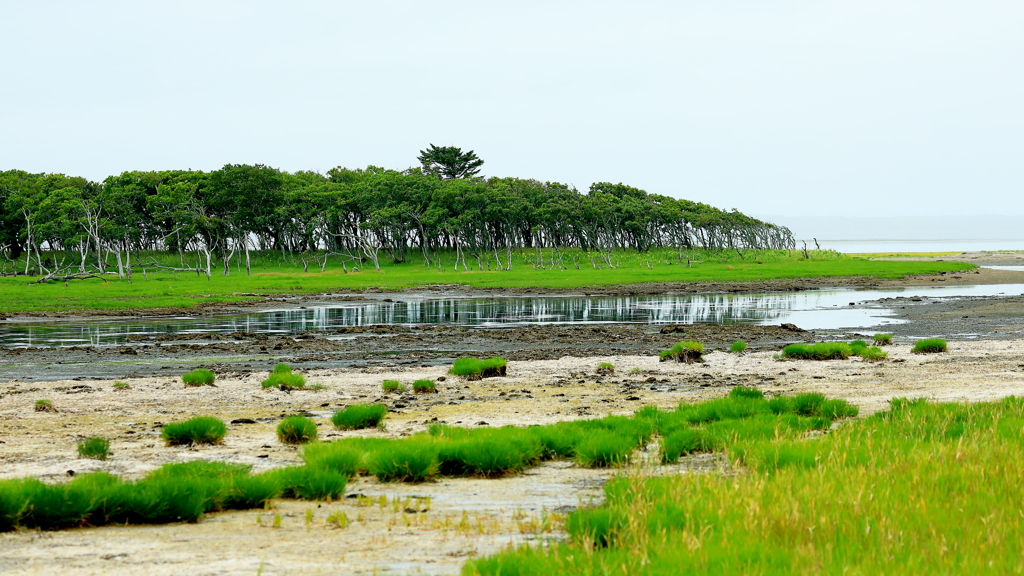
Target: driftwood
x: 54, y: 277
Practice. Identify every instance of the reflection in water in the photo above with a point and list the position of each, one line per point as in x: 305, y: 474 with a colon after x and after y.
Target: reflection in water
x: 819, y: 309
x: 491, y: 313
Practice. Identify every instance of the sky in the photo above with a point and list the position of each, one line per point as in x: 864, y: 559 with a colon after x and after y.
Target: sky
x: 797, y: 109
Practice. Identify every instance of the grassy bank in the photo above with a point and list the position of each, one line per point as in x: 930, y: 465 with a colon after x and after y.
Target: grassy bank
x: 272, y: 274
x: 920, y: 489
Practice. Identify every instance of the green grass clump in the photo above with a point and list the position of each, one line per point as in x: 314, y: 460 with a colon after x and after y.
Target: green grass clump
x: 95, y: 448
x: 680, y: 443
x: 359, y: 416
x: 424, y: 387
x: 484, y: 451
x: 929, y: 346
x: 281, y: 368
x: 389, y: 386
x: 296, y: 430
x: 475, y: 369
x: 409, y: 460
x: 285, y: 380
x: 340, y: 457
x: 738, y: 346
x: 606, y: 368
x: 882, y: 339
x: 199, y: 430
x: 685, y: 351
x: 309, y: 483
x: 119, y: 385
x: 819, y: 351
x: 604, y: 448
x: 873, y: 353
x: 44, y: 406
x: 198, y: 377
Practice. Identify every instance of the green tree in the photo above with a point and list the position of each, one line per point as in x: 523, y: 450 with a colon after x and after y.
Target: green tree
x: 449, y: 162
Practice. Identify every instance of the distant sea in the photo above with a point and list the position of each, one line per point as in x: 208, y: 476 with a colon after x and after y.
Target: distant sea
x: 904, y: 246
x: 907, y: 233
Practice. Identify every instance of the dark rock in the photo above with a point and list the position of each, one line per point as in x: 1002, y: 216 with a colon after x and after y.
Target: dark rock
x: 243, y: 421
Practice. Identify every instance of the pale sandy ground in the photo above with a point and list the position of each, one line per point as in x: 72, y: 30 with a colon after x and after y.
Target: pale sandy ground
x: 497, y: 512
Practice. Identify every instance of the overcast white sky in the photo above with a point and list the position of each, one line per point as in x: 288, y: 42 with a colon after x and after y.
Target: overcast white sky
x: 822, y: 107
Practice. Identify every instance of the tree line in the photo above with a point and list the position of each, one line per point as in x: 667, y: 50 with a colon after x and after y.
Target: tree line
x: 57, y: 225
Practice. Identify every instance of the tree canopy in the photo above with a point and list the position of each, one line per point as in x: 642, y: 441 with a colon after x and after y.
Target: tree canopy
x: 449, y: 162
x: 365, y: 213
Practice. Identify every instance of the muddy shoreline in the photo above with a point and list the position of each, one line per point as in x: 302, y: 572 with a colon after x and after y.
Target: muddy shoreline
x: 469, y: 516
x: 366, y: 347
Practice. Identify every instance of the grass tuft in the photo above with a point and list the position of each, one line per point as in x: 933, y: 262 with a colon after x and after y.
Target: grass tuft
x: 606, y: 369
x: 738, y: 346
x: 119, y: 385
x: 198, y: 377
x: 424, y: 387
x: 685, y: 351
x: 929, y: 346
x: 604, y: 448
x: 308, y: 483
x: 296, y: 430
x: 95, y: 448
x: 45, y: 406
x: 882, y: 339
x: 475, y: 369
x: 819, y: 351
x: 359, y: 416
x: 874, y: 354
x: 285, y: 380
x: 389, y: 386
x: 411, y: 460
x: 199, y: 430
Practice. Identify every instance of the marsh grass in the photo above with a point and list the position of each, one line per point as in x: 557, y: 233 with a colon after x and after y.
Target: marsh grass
x: 686, y: 351
x: 929, y: 346
x: 339, y: 457
x: 44, y: 406
x: 284, y: 378
x: 485, y: 452
x: 392, y: 386
x: 296, y: 430
x: 199, y: 430
x: 119, y: 385
x: 603, y: 448
x: 94, y: 448
x: 359, y: 416
x: 945, y: 475
x: 738, y: 346
x: 424, y: 387
x: 882, y: 339
x: 606, y: 369
x: 198, y: 377
x: 760, y: 432
x: 476, y: 369
x: 309, y: 483
x: 818, y: 351
x: 873, y: 354
x: 411, y: 460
